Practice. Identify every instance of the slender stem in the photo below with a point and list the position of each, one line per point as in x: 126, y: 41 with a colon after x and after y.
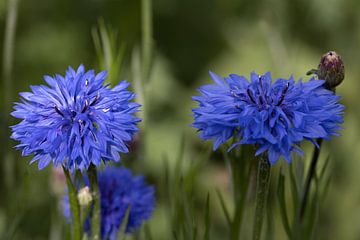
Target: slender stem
x: 138, y: 86
x: 74, y: 206
x: 95, y: 217
x: 146, y: 24
x: 309, y: 178
x: 262, y: 189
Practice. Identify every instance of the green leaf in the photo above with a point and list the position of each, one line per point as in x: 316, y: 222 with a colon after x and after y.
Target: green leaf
x: 313, y: 211
x: 326, y: 188
x: 282, y: 204
x: 223, y: 206
x: 110, y: 53
x: 323, y: 170
x: 207, y: 218
x: 194, y: 233
x: 294, y: 187
x: 180, y: 157
x: 175, y: 235
x: 122, y: 230
x: 147, y: 231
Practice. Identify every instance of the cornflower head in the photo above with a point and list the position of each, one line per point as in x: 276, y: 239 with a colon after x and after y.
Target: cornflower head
x: 275, y: 116
x: 120, y: 192
x: 76, y: 120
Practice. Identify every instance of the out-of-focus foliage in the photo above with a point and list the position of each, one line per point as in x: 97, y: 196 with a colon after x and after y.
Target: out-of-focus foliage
x: 190, y: 38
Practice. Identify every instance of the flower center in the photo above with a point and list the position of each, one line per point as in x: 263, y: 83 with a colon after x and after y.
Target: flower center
x: 75, y: 115
x: 283, y: 94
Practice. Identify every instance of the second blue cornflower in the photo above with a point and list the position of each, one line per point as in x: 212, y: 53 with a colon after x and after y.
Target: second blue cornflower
x: 274, y: 116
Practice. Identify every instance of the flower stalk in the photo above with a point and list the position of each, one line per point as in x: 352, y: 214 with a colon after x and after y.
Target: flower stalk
x: 95, y: 217
x: 262, y: 189
x: 74, y: 206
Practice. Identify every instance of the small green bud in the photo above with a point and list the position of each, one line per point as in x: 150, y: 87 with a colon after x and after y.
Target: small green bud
x: 331, y: 69
x: 84, y: 196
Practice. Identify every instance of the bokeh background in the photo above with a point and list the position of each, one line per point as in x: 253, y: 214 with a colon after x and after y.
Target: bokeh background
x: 191, y: 37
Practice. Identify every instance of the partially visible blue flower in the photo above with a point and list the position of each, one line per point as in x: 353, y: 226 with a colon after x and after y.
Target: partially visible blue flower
x: 275, y: 116
x: 76, y: 120
x: 120, y: 191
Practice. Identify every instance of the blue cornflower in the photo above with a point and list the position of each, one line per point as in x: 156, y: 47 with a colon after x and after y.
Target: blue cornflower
x: 119, y: 190
x: 76, y: 120
x: 275, y: 116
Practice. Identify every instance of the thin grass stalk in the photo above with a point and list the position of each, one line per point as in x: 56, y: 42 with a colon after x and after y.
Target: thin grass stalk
x: 8, y: 55
x: 147, y: 42
x: 8, y: 62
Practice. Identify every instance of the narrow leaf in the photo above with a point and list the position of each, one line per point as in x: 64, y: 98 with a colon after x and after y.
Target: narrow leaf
x: 223, y: 206
x: 207, y: 218
x: 122, y: 230
x: 282, y: 204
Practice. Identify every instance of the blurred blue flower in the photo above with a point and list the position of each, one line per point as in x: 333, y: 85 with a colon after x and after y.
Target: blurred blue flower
x: 75, y: 121
x: 119, y: 190
x: 275, y: 116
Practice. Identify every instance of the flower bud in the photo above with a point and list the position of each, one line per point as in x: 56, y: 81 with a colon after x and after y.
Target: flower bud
x: 84, y: 196
x: 331, y: 69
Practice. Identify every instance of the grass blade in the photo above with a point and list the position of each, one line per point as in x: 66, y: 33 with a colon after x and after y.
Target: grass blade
x: 207, y: 218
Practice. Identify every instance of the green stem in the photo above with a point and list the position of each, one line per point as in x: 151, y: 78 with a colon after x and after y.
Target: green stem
x: 74, y: 206
x: 262, y: 189
x: 146, y: 24
x: 95, y: 217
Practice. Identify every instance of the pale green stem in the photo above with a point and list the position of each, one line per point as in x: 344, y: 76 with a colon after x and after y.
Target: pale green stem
x: 138, y: 86
x: 8, y: 55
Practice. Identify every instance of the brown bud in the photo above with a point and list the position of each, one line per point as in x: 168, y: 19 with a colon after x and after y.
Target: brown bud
x: 331, y: 69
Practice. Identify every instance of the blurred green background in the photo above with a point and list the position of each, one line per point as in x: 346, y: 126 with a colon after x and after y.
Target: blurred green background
x: 191, y: 37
